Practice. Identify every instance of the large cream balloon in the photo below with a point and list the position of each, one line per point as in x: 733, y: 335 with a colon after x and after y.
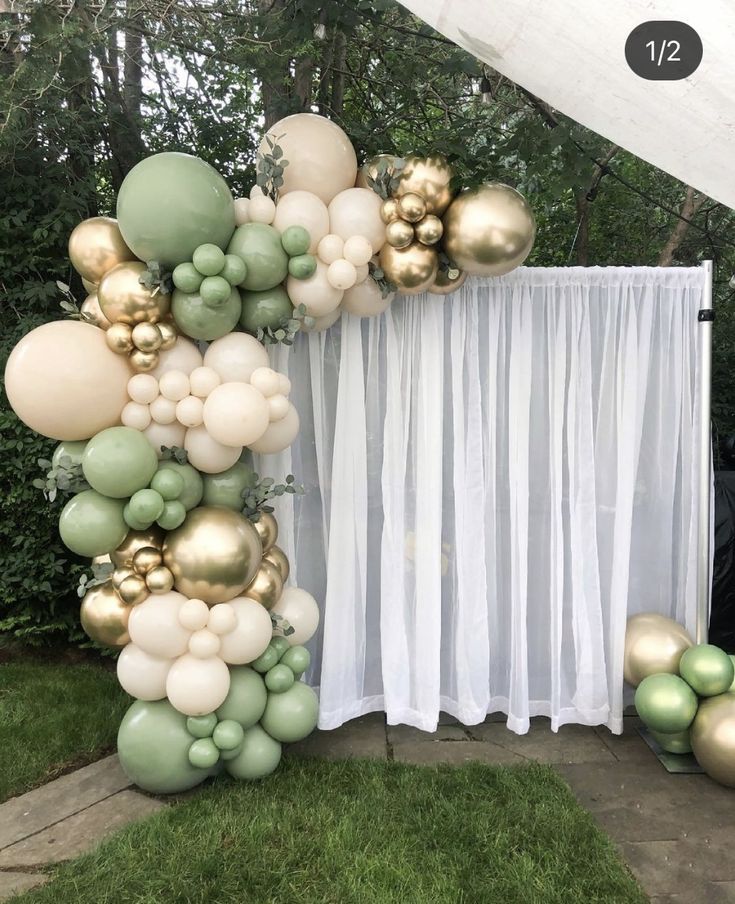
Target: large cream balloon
x: 236, y: 414
x: 168, y: 435
x: 279, y: 435
x: 206, y: 454
x: 235, y: 356
x: 315, y: 293
x: 324, y: 322
x: 197, y: 686
x: 301, y: 611
x: 356, y: 211
x: 154, y: 625
x: 184, y: 356
x: 320, y: 156
x: 366, y: 299
x: 303, y: 208
x: 653, y: 644
x: 142, y: 675
x: 64, y: 382
x: 251, y: 634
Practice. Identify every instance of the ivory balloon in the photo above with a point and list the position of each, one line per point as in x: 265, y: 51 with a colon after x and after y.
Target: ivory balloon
x: 412, y: 269
x: 155, y: 627
x: 300, y: 609
x: 168, y: 435
x: 443, y: 285
x: 143, y: 388
x: 196, y: 686
x: 267, y: 585
x: 234, y: 357
x: 242, y: 214
x: 320, y: 155
x: 356, y: 211
x: 279, y: 435
x: 104, y: 616
x: 342, y: 274
x: 63, y: 381
x: 142, y: 675
x: 430, y: 178
x: 653, y: 644
x: 184, y: 356
x: 96, y: 246
x: 303, y: 208
x: 236, y: 414
x: 122, y: 297
x: 251, y: 635
x: 366, y: 299
x: 278, y: 557
x: 208, y: 455
x: 713, y: 738
x: 315, y: 293
x: 324, y: 322
x: 91, y: 308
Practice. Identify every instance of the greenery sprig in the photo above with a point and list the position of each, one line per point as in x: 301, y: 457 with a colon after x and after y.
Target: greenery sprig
x: 174, y: 453
x: 282, y: 624
x: 156, y: 279
x: 101, y: 574
x: 387, y: 176
x: 448, y: 266
x: 270, y: 168
x: 260, y: 491
x: 64, y: 477
x: 287, y: 328
x: 384, y: 284
x: 69, y: 305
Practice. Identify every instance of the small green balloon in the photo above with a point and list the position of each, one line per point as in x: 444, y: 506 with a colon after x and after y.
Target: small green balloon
x: 259, y: 246
x: 71, y: 449
x: 203, y: 753
x: 246, y: 699
x: 677, y: 742
x: 172, y: 516
x: 132, y: 521
x: 666, y: 703
x: 119, y: 461
x: 92, y: 525
x: 280, y: 645
x: 227, y: 487
x: 298, y: 659
x: 279, y: 678
x: 265, y: 310
x: 707, y: 669
x: 292, y: 715
x: 208, y: 259
x: 228, y: 734
x: 234, y: 270
x: 187, y: 278
x: 295, y: 240
x: 259, y: 756
x: 303, y: 266
x: 169, y: 484
x: 191, y: 495
x: 214, y: 291
x: 201, y: 726
x: 265, y: 661
x: 225, y: 755
x: 195, y: 318
x: 146, y: 505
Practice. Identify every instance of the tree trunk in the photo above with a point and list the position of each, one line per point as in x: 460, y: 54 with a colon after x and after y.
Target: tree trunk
x: 689, y: 209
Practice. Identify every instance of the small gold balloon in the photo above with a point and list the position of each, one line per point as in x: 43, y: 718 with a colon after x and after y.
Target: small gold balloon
x: 429, y: 177
x: 713, y: 738
x: 267, y: 585
x: 133, y: 590
x: 121, y: 574
x: 429, y: 230
x: 104, y: 616
x: 168, y: 333
x: 119, y: 338
x: 147, y: 337
x: 411, y: 207
x: 89, y: 287
x: 96, y: 246
x: 135, y: 540
x: 91, y: 307
x: 653, y: 644
x: 389, y: 210
x: 399, y: 234
x: 412, y: 269
x: 124, y: 299
x: 267, y: 528
x: 443, y: 285
x: 370, y: 169
x: 143, y: 362
x: 159, y: 580
x: 146, y: 558
x: 276, y: 556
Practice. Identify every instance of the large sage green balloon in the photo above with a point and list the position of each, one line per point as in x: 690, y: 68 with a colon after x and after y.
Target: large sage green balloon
x: 170, y: 204
x: 153, y: 746
x: 259, y: 755
x: 707, y: 669
x: 263, y: 310
x: 677, y: 742
x: 197, y: 319
x: 246, y: 699
x: 191, y: 495
x: 260, y: 248
x: 292, y: 715
x: 71, y: 449
x: 666, y: 703
x: 227, y: 488
x: 119, y: 461
x: 92, y: 525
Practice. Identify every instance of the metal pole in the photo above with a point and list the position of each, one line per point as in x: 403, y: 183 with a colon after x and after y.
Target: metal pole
x: 706, y: 317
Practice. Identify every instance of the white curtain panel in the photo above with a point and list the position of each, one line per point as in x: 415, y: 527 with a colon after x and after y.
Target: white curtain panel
x: 495, y: 481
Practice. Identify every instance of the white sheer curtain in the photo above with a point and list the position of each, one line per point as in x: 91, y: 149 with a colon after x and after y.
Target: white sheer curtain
x: 494, y: 481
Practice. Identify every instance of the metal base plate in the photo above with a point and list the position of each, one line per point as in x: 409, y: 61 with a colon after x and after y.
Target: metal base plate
x: 682, y: 763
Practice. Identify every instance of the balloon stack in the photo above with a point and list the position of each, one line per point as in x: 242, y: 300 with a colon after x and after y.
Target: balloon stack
x: 685, y: 692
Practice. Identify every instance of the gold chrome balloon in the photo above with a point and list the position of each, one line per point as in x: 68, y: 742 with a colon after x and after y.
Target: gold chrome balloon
x: 119, y: 338
x: 214, y: 555
x: 147, y: 337
x: 389, y: 211
x: 169, y: 335
x: 489, y: 231
x: 96, y: 246
x: 143, y: 362
x: 104, y: 616
x: 121, y: 574
x: 411, y: 207
x: 276, y: 556
x: 713, y: 738
x: 267, y: 585
x: 443, y: 285
x: 430, y: 178
x: 429, y: 230
x: 412, y: 269
x: 124, y: 299
x: 135, y: 540
x: 267, y: 528
x: 370, y: 168
x: 91, y: 308
x: 133, y: 590
x: 159, y: 580
x: 399, y: 234
x: 146, y: 558
x: 653, y: 643
x: 89, y: 287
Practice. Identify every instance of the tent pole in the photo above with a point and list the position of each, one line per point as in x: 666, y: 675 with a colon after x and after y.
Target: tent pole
x: 705, y: 318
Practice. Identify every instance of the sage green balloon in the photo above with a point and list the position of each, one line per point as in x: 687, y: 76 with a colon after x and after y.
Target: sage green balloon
x: 298, y: 659
x: 203, y: 753
x: 707, y: 669
x: 169, y: 483
x: 677, y: 742
x: 118, y: 462
x: 201, y: 726
x: 191, y: 495
x: 228, y: 734
x: 187, y: 278
x: 195, y: 318
x: 264, y: 310
x: 92, y: 524
x: 246, y: 699
x: 133, y: 522
x: 265, y: 662
x: 172, y: 516
x: 214, y: 290
x: 259, y: 756
x: 234, y: 270
x: 280, y: 645
x: 279, y: 679
x: 69, y: 449
x: 259, y: 246
x: 170, y: 204
x: 732, y: 686
x: 208, y: 259
x: 153, y: 746
x: 292, y: 715
x: 295, y: 240
x: 146, y: 505
x: 666, y: 703
x: 303, y: 266
x: 227, y: 488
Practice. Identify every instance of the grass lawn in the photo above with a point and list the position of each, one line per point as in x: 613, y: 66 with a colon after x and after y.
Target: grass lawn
x: 53, y: 716
x: 359, y: 833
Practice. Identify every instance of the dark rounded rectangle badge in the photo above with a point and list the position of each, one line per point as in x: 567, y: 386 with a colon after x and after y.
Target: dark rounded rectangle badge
x: 663, y: 50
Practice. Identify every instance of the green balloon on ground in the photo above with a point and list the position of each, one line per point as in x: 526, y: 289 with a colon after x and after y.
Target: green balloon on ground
x: 246, y: 699
x: 92, y: 525
x: 203, y: 753
x: 191, y: 495
x: 259, y: 756
x: 170, y: 484
x: 234, y: 270
x: 214, y: 290
x: 265, y: 662
x: 208, y: 259
x: 170, y: 204
x: 259, y: 246
x: 707, y: 669
x: 172, y: 516
x: 292, y: 715
x: 295, y: 240
x: 279, y: 679
x: 228, y: 734
x: 119, y: 461
x: 69, y: 449
x: 303, y: 266
x: 195, y: 318
x: 298, y: 659
x: 264, y: 310
x: 153, y: 746
x: 146, y: 505
x: 280, y: 645
x: 677, y: 742
x: 201, y: 726
x: 227, y: 488
x: 187, y: 278
x: 666, y: 703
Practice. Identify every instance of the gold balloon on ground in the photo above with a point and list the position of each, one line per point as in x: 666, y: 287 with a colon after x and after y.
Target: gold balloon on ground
x: 267, y: 585
x: 124, y: 299
x: 412, y: 269
x: 267, y: 528
x: 713, y: 738
x: 96, y: 246
x: 443, y: 285
x: 135, y: 540
x: 429, y: 177
x: 91, y: 307
x: 653, y: 644
x: 104, y: 616
x: 276, y: 556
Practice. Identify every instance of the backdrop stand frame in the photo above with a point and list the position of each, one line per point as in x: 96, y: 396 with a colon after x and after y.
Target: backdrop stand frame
x: 704, y: 565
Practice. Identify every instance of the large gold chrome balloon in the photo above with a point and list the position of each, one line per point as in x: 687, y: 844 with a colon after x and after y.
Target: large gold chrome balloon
x: 267, y: 528
x: 123, y: 299
x: 267, y: 585
x: 214, y: 555
x: 276, y: 556
x: 104, y: 616
x: 713, y: 738
x: 412, y: 269
x: 370, y: 168
x: 653, y: 644
x: 489, y: 231
x: 443, y: 285
x: 430, y: 178
x: 122, y: 557
x: 91, y: 307
x: 96, y: 246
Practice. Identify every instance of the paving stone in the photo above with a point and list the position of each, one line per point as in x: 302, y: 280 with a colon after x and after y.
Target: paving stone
x: 402, y: 734
x: 571, y: 744
x: 628, y: 746
x: 362, y: 738
x: 454, y: 753
x: 79, y: 833
x: 665, y: 868
x: 12, y: 883
x: 31, y: 812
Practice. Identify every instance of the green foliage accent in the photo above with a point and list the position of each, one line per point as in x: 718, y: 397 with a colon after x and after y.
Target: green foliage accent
x: 287, y: 328
x: 156, y: 279
x: 174, y: 453
x: 66, y: 478
x: 387, y: 177
x: 270, y: 168
x: 101, y: 574
x: 447, y: 266
x: 279, y: 622
x: 260, y: 490
x: 384, y: 284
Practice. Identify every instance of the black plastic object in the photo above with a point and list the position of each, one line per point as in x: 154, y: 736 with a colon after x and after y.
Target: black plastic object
x: 722, y: 614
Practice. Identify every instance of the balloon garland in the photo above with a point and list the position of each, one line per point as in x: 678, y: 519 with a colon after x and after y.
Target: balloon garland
x: 162, y: 388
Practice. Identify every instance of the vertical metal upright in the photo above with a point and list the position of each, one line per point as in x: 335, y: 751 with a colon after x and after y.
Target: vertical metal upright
x: 705, y: 319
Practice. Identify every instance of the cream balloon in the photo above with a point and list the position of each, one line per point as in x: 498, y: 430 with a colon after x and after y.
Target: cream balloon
x: 301, y: 611
x: 331, y: 248
x: 136, y: 416
x: 143, y: 388
x: 190, y: 411
x: 363, y: 271
x: 242, y: 206
x: 251, y: 634
x: 341, y: 274
x: 266, y: 380
x: 206, y: 454
x: 315, y: 293
x: 203, y: 380
x: 366, y: 299
x: 222, y: 619
x: 235, y: 356
x: 320, y: 155
x: 303, y: 208
x: 236, y: 414
x: 356, y: 211
x: 142, y: 675
x: 194, y: 615
x: 196, y: 686
x: 358, y: 250
x: 279, y: 435
x: 324, y: 322
x: 184, y: 356
x: 174, y: 385
x: 262, y: 210
x: 204, y: 643
x: 277, y: 407
x: 64, y: 382
x: 168, y: 435
x: 154, y: 625
x: 163, y: 411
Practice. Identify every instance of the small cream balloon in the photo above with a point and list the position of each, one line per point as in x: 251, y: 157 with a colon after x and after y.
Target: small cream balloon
x: 323, y: 322
x: 174, y: 385
x: 184, y: 356
x: 136, y: 415
x: 357, y: 212
x: 279, y: 435
x: 262, y: 210
x: 204, y: 643
x: 251, y: 634
x: 265, y: 380
x: 315, y: 293
x: 242, y: 206
x: 203, y: 380
x: 277, y: 407
x: 363, y: 272
x: 168, y: 435
x: 141, y: 674
x: 236, y: 414
x: 358, y: 250
x: 331, y: 248
x: 303, y: 208
x: 235, y: 356
x: 284, y: 384
x: 190, y: 411
x: 206, y: 454
x: 143, y: 388
x: 222, y: 619
x: 341, y: 274
x: 194, y: 615
x: 163, y: 411
x: 196, y: 687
